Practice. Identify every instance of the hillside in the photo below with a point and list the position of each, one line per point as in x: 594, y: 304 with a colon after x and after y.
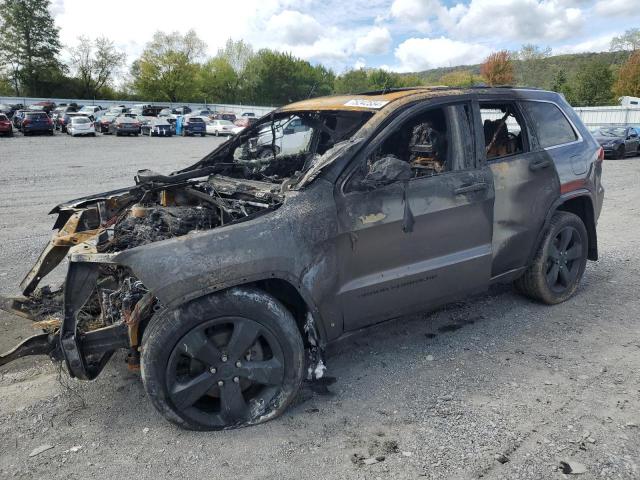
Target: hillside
x: 536, y: 73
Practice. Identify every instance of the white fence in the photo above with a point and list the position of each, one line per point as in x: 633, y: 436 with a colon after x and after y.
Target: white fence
x: 216, y: 107
x: 616, y: 115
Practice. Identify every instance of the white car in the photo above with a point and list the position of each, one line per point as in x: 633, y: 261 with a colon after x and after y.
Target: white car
x: 291, y: 137
x: 90, y: 110
x: 81, y: 126
x: 220, y: 127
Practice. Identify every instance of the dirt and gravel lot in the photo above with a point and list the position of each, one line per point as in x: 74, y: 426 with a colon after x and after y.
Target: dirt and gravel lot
x: 495, y: 387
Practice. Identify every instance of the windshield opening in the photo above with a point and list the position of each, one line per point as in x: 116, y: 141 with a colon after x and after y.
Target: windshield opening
x: 284, y: 145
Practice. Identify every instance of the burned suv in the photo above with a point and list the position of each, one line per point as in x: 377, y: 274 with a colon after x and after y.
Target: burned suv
x: 227, y: 280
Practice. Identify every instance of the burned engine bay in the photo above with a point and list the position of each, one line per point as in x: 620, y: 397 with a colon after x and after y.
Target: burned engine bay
x: 245, y: 177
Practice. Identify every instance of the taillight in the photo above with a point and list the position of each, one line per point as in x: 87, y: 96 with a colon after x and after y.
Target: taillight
x: 600, y: 154
x: 49, y: 121
x: 26, y: 122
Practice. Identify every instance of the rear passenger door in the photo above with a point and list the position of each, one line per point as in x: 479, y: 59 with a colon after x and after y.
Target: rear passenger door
x: 525, y: 180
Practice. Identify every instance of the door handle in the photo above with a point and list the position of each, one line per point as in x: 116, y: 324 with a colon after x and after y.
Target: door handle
x: 474, y: 187
x: 539, y: 164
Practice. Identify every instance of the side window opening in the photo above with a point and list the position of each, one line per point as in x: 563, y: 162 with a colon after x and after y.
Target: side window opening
x: 550, y: 124
x: 503, y: 132
x: 421, y: 141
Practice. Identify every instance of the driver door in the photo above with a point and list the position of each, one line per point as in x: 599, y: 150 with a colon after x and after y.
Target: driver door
x: 415, y: 244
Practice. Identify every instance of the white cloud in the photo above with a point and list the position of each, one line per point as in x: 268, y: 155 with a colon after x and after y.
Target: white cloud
x: 377, y: 41
x: 294, y: 27
x: 597, y: 44
x: 616, y: 8
x: 416, y: 54
x: 520, y: 20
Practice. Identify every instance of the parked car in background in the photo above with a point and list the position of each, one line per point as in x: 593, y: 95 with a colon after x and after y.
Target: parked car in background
x: 248, y: 114
x: 157, y: 127
x: 224, y: 116
x: 119, y: 109
x: 36, y: 122
x: 18, y: 115
x: 184, y: 110
x: 104, y: 121
x: 6, y: 127
x: 60, y: 112
x: 46, y: 106
x: 219, y: 127
x: 81, y: 125
x: 244, y: 122
x: 202, y: 113
x: 618, y: 142
x: 65, y: 120
x: 9, y: 109
x: 90, y: 110
x: 125, y: 126
x: 193, y: 126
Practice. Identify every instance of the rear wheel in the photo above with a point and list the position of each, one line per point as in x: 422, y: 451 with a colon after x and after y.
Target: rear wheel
x: 223, y: 361
x: 203, y: 134
x: 559, y: 264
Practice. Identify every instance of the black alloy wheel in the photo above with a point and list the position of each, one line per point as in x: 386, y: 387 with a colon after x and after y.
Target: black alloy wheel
x: 563, y: 261
x: 223, y: 361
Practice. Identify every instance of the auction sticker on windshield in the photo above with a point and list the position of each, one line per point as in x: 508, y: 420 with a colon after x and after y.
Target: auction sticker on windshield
x: 359, y: 102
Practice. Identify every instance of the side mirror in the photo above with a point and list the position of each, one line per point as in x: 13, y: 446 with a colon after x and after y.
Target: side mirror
x: 386, y: 171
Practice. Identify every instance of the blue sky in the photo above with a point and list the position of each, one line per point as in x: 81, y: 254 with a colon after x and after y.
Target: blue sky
x: 401, y: 35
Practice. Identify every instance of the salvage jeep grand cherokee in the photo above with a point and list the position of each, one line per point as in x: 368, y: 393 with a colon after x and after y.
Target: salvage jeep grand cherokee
x: 226, y: 280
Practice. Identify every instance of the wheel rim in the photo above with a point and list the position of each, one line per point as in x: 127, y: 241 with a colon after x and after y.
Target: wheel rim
x: 225, y: 371
x: 564, y: 259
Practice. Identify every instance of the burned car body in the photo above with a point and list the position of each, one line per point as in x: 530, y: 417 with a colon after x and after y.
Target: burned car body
x: 226, y: 279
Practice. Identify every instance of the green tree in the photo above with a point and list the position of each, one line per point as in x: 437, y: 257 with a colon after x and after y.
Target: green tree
x: 167, y: 68
x: 237, y: 54
x: 30, y: 45
x: 276, y: 78
x: 530, y: 69
x: 94, y: 64
x: 561, y: 85
x: 352, y: 81
x: 593, y: 85
x: 460, y: 78
x: 629, y: 40
x: 628, y: 81
x: 380, y: 79
x: 218, y: 81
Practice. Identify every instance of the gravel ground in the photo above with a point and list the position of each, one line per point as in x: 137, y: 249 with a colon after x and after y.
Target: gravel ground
x: 496, y: 387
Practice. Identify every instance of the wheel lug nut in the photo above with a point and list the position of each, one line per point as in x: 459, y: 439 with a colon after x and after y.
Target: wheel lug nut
x: 220, y: 383
x: 238, y: 364
x: 224, y: 358
x: 213, y: 370
x: 236, y: 379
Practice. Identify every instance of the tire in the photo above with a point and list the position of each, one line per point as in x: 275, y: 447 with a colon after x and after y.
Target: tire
x: 217, y: 134
x: 218, y: 329
x: 266, y: 153
x: 203, y: 134
x: 559, y: 263
x: 93, y: 134
x: 620, y: 152
x: 117, y: 134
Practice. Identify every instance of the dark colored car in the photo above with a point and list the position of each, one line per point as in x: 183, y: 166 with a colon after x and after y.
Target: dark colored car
x: 618, y: 142
x: 227, y: 280
x: 17, y: 117
x: 124, y: 126
x: 65, y: 119
x: 193, y: 126
x: 6, y: 128
x: 59, y: 113
x: 184, y: 110
x: 9, y: 109
x: 157, y: 127
x: 36, y: 122
x: 105, y: 120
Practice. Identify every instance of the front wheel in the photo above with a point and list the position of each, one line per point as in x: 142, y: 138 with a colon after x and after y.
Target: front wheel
x: 560, y: 261
x: 223, y: 361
